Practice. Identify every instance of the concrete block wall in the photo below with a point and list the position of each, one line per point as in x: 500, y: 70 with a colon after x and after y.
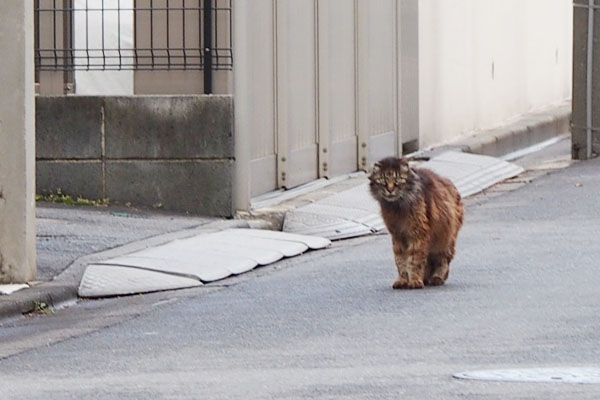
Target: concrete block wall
x: 172, y: 151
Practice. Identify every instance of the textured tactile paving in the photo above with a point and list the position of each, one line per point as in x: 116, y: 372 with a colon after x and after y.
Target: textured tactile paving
x: 110, y: 280
x: 189, y: 262
x: 354, y: 212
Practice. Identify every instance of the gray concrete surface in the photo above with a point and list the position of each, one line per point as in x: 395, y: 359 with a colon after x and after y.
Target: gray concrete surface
x: 523, y: 292
x: 67, y: 233
x: 199, y: 187
x: 169, y: 127
x: 17, y: 143
x: 176, y: 151
x: 69, y: 238
x: 69, y: 127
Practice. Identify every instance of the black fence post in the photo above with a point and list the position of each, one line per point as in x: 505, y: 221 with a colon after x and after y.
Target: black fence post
x: 207, y: 46
x: 585, y: 118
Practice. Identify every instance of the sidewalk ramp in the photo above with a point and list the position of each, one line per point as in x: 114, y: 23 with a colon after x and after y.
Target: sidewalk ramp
x: 354, y: 212
x: 193, y: 261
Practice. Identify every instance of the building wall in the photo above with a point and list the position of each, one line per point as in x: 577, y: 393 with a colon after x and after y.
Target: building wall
x: 483, y: 63
x: 170, y: 152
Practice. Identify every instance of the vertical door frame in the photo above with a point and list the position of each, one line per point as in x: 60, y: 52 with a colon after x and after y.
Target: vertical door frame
x: 322, y: 74
x: 242, y: 134
x: 281, y: 90
x: 398, y: 75
x: 362, y: 93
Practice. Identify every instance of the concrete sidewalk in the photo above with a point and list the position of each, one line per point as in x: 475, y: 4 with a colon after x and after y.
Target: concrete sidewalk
x: 71, y: 237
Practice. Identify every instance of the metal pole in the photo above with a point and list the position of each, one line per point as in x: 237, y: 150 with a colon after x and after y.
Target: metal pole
x: 590, y: 59
x: 208, y: 26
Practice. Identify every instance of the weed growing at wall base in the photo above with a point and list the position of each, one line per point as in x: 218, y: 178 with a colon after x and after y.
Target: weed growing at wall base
x: 62, y: 198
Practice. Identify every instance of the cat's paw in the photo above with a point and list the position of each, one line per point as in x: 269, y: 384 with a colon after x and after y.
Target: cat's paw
x: 436, y: 281
x: 402, y: 283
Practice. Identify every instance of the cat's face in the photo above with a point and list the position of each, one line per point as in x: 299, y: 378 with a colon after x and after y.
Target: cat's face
x: 390, y: 178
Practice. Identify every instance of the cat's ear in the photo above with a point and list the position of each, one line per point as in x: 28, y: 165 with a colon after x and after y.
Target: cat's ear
x: 375, y: 171
x: 405, y: 168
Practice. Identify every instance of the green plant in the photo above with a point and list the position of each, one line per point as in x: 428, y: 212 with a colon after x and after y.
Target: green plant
x: 41, y: 307
x: 62, y: 198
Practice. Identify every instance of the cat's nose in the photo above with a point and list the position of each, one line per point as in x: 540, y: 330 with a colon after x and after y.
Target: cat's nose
x: 390, y: 187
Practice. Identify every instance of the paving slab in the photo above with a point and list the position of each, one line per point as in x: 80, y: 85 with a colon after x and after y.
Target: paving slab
x: 106, y: 280
x: 472, y: 173
x: 192, y: 261
x: 354, y: 212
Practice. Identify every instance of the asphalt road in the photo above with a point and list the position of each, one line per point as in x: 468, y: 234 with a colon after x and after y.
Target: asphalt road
x: 524, y: 291
x: 66, y: 233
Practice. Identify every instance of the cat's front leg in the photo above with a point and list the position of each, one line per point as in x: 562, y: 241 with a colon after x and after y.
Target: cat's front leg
x: 437, y: 270
x: 411, y: 267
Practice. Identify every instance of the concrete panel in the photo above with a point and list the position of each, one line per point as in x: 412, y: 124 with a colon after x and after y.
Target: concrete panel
x: 68, y: 127
x: 189, y: 262
x: 111, y: 280
x: 17, y: 143
x: 74, y: 178
x: 169, y: 127
x: 199, y: 187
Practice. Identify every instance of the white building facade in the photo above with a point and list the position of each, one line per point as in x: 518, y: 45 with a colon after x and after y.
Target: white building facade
x: 326, y: 87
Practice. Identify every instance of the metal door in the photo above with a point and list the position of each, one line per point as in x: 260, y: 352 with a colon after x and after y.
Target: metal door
x: 320, y: 89
x: 296, y: 81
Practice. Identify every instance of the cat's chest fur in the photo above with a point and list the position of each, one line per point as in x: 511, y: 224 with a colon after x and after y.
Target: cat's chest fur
x: 403, y: 222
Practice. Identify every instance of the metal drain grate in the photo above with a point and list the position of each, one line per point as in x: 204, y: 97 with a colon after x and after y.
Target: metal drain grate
x: 538, y: 375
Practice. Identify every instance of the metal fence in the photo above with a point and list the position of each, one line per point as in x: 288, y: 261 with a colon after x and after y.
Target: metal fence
x: 106, y: 35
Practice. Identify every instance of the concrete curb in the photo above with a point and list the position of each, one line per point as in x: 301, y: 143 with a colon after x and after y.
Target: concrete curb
x: 532, y: 129
x: 28, y: 300
x: 64, y: 287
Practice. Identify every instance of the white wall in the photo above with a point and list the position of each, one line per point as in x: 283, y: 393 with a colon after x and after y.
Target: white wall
x: 88, y: 32
x: 485, y: 62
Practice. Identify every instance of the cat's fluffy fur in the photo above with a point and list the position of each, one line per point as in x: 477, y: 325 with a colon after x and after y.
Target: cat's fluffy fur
x: 423, y: 213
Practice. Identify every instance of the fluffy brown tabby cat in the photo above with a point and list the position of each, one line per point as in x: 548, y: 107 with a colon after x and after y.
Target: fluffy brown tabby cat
x: 423, y: 213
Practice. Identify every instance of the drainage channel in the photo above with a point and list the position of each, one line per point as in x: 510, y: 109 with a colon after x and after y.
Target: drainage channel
x: 577, y: 375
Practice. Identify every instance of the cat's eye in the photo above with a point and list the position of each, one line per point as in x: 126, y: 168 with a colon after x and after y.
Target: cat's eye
x: 380, y: 181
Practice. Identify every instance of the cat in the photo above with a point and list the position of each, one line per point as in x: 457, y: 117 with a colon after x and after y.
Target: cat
x: 423, y: 213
